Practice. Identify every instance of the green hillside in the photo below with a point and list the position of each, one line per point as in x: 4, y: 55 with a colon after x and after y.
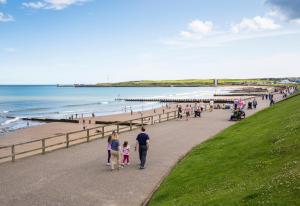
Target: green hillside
x: 254, y: 162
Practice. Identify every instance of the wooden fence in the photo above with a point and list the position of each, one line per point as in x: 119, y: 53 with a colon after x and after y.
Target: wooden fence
x: 44, y: 145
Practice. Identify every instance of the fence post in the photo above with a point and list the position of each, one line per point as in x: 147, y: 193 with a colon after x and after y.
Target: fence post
x: 67, y: 140
x: 152, y: 120
x: 13, y: 155
x: 159, y: 117
x: 118, y: 128
x: 130, y: 125
x: 142, y: 121
x: 102, y: 131
x: 168, y: 116
x: 43, y: 146
x: 88, y: 135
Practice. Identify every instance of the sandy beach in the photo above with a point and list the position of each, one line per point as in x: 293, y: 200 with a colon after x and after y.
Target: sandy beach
x: 56, y: 133
x: 78, y: 175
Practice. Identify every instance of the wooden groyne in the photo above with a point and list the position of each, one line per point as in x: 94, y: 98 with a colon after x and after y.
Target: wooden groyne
x: 39, y: 119
x: 189, y: 100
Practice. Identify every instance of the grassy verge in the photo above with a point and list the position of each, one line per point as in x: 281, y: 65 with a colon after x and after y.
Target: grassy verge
x: 187, y: 82
x: 254, y: 162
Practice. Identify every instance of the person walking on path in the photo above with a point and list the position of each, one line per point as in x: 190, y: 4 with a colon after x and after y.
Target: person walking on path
x: 235, y: 104
x: 108, y: 150
x: 115, y: 151
x: 188, y: 111
x: 254, y: 103
x: 211, y: 106
x: 179, y: 112
x: 142, y: 141
x: 125, y: 152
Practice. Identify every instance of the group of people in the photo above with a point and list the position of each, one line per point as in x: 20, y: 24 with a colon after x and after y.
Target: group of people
x: 240, y: 104
x: 269, y: 97
x: 116, y: 152
x: 189, y: 110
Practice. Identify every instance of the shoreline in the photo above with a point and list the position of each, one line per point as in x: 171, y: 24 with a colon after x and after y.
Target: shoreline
x: 44, y: 130
x: 85, y: 163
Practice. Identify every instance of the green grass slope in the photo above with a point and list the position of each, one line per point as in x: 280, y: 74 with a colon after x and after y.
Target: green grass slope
x: 254, y: 162
x: 184, y: 82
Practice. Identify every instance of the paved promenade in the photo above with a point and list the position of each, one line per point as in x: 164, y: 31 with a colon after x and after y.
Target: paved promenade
x: 79, y: 176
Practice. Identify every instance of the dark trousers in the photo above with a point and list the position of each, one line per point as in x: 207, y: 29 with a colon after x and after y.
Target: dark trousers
x: 108, y: 156
x: 125, y: 159
x: 143, y: 154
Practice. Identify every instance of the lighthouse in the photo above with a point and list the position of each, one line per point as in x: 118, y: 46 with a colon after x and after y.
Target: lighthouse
x: 215, y: 82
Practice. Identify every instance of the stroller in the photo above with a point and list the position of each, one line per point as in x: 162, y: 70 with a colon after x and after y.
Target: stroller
x: 237, y: 115
x: 249, y: 105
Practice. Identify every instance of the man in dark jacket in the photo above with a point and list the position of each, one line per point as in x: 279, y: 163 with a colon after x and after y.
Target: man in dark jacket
x: 142, y: 141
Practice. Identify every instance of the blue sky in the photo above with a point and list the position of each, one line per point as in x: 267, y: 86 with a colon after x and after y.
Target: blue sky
x: 90, y: 41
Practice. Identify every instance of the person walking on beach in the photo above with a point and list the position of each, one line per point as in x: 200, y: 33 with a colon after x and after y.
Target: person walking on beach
x: 115, y: 151
x: 125, y: 152
x: 108, y: 150
x: 142, y: 141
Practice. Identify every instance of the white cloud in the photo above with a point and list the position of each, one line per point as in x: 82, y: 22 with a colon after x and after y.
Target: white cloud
x: 2, y: 1
x: 197, y: 29
x: 201, y: 27
x: 35, y: 5
x: 257, y: 23
x: 6, y: 17
x: 201, y: 34
x: 53, y: 4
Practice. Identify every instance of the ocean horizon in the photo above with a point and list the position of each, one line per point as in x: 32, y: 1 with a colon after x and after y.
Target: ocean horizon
x: 50, y: 101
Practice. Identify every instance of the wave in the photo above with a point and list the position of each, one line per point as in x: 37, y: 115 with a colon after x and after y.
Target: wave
x: 51, y: 108
x: 87, y: 104
x: 30, y: 109
x: 9, y: 121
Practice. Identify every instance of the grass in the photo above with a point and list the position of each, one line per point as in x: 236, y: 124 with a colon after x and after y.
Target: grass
x: 164, y: 83
x: 186, y: 82
x: 254, y: 162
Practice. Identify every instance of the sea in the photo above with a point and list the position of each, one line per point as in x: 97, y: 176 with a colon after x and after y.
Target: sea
x: 51, y: 101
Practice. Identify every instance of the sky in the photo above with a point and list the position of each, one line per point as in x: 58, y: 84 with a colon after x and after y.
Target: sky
x: 91, y: 41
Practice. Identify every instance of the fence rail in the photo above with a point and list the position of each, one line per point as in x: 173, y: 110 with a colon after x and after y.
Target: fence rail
x: 47, y: 144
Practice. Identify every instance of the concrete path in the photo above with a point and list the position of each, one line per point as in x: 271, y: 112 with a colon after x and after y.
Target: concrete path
x: 78, y: 175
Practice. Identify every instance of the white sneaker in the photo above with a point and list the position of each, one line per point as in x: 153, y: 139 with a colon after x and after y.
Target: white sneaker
x: 107, y: 164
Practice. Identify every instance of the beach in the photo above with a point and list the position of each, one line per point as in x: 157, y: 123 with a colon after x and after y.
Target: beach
x: 78, y: 175
x: 89, y: 124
